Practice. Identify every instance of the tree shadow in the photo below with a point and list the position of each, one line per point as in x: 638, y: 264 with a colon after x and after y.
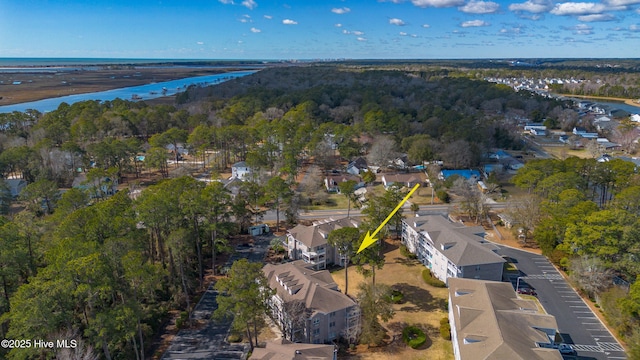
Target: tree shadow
x: 417, y: 299
x: 404, y: 261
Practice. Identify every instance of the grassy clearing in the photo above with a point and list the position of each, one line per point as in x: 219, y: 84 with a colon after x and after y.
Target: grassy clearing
x: 423, y: 306
x: 560, y: 152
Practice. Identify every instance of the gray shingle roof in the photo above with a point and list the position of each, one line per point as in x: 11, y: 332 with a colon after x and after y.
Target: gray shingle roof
x: 461, y: 244
x: 316, y: 235
x: 298, y: 281
x: 491, y: 322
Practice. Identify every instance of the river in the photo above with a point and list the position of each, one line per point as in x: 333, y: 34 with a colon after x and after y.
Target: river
x: 135, y: 93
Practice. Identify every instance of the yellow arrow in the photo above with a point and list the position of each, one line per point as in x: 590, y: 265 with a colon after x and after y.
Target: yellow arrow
x: 369, y: 238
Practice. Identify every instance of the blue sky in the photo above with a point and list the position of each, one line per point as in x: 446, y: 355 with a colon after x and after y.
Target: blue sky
x: 296, y: 29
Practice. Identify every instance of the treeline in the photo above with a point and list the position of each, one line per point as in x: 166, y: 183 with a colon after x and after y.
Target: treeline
x: 585, y: 215
x: 107, y: 274
x: 107, y: 270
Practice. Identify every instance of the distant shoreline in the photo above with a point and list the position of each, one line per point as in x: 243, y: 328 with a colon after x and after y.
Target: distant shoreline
x: 630, y: 102
x: 24, y: 86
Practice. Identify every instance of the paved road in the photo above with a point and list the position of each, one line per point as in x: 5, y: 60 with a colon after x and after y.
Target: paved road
x: 210, y: 342
x: 578, y: 325
x: 323, y: 214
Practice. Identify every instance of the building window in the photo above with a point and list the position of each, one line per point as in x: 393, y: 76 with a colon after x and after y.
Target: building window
x: 332, y: 324
x: 316, y: 321
x: 316, y: 332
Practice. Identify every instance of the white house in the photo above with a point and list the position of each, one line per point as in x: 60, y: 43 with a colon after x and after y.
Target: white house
x: 240, y: 170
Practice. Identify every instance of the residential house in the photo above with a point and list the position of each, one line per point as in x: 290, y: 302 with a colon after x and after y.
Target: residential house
x: 15, y: 186
x: 98, y: 187
x: 357, y: 166
x: 489, y: 321
x: 578, y: 130
x: 331, y: 182
x: 511, y: 163
x: 451, y: 250
x: 309, y: 243
x: 286, y: 350
x: 407, y: 180
x: 240, y: 170
x: 400, y: 162
x: 473, y: 175
x: 308, y: 306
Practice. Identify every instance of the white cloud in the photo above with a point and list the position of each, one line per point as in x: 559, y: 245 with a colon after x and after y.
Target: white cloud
x: 249, y: 4
x: 227, y: 2
x: 437, y: 3
x: 622, y: 2
x: 255, y: 30
x: 532, y: 6
x: 426, y: 26
x: 474, y: 23
x: 289, y: 22
x: 396, y: 21
x: 361, y: 39
x: 511, y: 31
x: 634, y: 28
x: 578, y: 8
x: 200, y: 43
x: 479, y: 7
x: 346, y: 32
x: 596, y: 17
x: 582, y: 29
x: 358, y: 33
x: 338, y: 25
x: 245, y: 20
x: 402, y: 33
x: 268, y: 17
x: 342, y: 10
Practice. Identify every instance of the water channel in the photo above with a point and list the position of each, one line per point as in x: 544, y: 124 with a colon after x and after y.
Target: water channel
x: 134, y: 93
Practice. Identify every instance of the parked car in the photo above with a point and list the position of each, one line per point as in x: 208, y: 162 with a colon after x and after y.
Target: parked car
x: 566, y: 349
x: 527, y: 291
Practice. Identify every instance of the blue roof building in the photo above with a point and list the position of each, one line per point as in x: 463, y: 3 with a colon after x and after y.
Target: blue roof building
x: 467, y: 174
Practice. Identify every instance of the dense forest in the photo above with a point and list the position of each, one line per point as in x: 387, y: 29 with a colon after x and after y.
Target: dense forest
x: 107, y: 269
x: 585, y: 216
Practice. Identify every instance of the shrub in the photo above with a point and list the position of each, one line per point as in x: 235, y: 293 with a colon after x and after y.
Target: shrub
x: 234, y: 338
x: 414, y: 337
x: 429, y: 279
x: 182, y: 319
x: 445, y: 328
x: 404, y: 251
x: 443, y: 196
x: 397, y: 296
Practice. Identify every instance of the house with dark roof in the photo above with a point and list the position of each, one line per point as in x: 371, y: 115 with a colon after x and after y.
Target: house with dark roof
x: 357, y: 166
x: 489, y: 321
x: 308, y: 306
x: 451, y: 250
x: 309, y: 243
x: 331, y: 182
x: 403, y: 180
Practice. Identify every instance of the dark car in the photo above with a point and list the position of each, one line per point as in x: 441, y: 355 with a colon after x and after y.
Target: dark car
x: 527, y: 291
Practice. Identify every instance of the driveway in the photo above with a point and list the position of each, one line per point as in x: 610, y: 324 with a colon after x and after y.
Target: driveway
x: 210, y: 342
x: 579, y: 326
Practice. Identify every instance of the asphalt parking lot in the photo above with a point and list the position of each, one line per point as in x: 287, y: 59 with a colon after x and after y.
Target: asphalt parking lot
x: 578, y: 325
